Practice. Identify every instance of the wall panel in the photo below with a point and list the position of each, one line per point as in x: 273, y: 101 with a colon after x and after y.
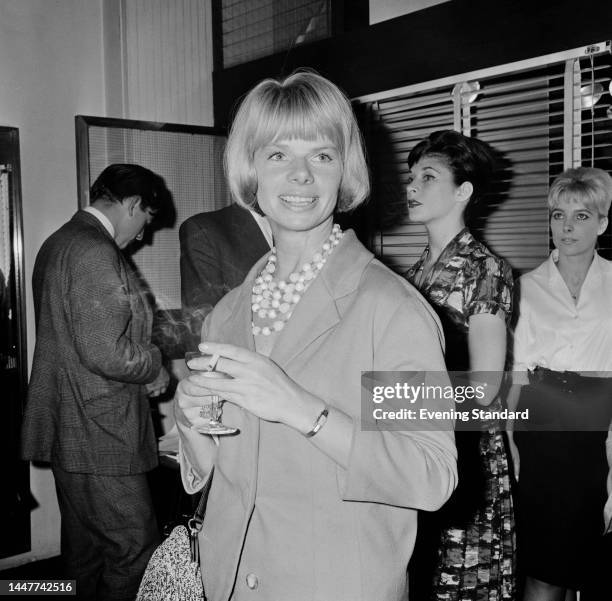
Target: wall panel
x: 167, y: 60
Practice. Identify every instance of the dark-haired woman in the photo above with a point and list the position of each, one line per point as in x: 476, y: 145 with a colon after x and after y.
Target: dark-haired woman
x: 471, y: 290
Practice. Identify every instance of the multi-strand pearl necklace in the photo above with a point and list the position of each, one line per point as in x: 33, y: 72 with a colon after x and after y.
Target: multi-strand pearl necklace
x: 275, y: 301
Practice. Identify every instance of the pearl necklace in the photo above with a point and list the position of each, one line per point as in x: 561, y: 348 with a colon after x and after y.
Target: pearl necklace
x: 276, y: 301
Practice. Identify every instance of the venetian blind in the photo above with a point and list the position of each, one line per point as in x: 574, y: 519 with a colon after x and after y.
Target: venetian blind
x: 531, y: 113
x: 591, y: 110
x: 398, y: 124
x: 520, y: 115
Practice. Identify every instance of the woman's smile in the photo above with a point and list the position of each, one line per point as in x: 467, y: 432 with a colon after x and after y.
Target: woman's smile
x: 298, y: 182
x: 295, y: 201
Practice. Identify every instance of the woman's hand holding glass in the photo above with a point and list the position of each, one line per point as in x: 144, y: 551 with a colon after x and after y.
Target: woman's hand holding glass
x: 210, y: 405
x: 257, y: 384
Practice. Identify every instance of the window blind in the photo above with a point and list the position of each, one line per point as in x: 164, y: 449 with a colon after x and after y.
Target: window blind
x: 592, y: 131
x: 519, y: 115
x: 534, y: 116
x: 398, y: 124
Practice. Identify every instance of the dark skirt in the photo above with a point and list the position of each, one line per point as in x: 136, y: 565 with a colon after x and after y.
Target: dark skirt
x: 562, y: 486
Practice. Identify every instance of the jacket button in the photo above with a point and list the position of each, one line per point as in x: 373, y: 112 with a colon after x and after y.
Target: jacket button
x: 252, y: 581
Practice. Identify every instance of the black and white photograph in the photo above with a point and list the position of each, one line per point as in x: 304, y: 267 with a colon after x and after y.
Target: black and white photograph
x: 306, y: 300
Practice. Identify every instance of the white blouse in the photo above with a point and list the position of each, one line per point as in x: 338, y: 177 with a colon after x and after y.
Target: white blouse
x: 554, y: 332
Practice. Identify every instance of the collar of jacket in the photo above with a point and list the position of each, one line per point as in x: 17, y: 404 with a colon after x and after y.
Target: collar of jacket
x: 318, y: 311
x: 89, y: 219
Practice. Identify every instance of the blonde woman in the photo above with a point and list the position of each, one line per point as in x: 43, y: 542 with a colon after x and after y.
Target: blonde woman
x: 304, y: 503
x: 563, y: 356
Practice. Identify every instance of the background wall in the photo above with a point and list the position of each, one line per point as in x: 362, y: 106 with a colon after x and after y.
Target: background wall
x: 446, y: 39
x: 61, y: 58
x: 167, y: 60
x: 51, y: 69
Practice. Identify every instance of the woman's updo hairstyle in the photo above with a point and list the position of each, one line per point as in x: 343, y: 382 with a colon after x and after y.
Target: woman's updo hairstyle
x: 469, y: 159
x: 589, y: 185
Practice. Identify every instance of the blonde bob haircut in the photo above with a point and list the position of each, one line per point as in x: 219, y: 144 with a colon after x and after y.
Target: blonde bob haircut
x: 304, y: 106
x: 588, y: 185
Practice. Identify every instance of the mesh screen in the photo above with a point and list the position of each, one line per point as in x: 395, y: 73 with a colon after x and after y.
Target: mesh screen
x: 255, y: 28
x: 5, y: 225
x: 192, y: 167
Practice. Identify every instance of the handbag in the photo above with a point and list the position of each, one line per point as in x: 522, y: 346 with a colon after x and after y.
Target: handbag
x: 173, y: 572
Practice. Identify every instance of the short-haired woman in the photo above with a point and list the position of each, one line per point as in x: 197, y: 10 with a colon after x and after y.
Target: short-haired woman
x: 564, y: 338
x: 304, y: 503
x: 467, y: 550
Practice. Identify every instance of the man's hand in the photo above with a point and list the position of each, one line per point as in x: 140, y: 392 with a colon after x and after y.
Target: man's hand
x: 160, y: 384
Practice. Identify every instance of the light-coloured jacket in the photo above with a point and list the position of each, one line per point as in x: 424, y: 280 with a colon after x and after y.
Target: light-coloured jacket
x: 284, y: 521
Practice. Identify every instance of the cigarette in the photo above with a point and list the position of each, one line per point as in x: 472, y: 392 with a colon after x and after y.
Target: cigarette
x: 213, y: 362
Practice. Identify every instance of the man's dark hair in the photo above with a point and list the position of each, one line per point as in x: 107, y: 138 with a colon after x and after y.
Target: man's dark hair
x: 122, y: 180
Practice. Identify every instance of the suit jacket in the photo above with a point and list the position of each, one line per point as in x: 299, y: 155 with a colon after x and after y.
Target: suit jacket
x: 280, y: 512
x: 87, y: 410
x: 217, y: 250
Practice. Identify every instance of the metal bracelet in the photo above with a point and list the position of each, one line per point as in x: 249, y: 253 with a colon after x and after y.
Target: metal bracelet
x: 319, y: 422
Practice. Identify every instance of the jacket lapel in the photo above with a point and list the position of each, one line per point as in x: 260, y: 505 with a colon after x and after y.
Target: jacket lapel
x: 243, y: 334
x: 236, y: 329
x: 314, y: 315
x: 318, y: 311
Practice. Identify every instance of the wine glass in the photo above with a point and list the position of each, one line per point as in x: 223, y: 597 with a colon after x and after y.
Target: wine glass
x: 212, y: 410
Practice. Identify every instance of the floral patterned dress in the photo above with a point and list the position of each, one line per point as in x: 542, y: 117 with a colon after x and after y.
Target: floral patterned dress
x: 476, y: 544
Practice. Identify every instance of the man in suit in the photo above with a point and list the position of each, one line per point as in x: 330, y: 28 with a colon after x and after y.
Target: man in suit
x: 87, y: 411
x: 218, y: 249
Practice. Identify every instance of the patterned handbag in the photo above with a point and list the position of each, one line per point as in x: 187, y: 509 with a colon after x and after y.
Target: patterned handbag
x: 173, y: 572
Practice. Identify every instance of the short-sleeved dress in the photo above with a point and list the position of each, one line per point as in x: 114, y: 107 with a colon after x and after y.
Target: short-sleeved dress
x: 475, y: 530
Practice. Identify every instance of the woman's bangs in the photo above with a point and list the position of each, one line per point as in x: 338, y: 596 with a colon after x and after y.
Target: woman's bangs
x: 578, y: 193
x: 287, y: 121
